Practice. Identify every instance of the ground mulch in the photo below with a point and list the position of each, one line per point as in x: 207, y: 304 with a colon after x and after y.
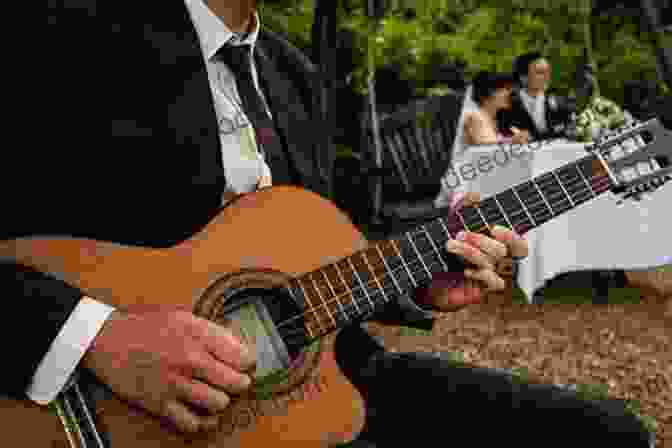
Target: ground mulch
x: 626, y: 347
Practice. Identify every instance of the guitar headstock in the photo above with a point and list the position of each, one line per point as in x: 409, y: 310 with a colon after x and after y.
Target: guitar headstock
x: 637, y: 157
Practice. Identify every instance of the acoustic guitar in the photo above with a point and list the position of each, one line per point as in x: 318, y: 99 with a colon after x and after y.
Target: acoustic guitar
x: 287, y: 293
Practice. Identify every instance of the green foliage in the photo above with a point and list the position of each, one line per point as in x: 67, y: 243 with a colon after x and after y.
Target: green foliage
x: 411, y: 331
x: 520, y: 374
x: 598, y: 118
x: 456, y: 358
x: 633, y: 407
x: 486, y: 34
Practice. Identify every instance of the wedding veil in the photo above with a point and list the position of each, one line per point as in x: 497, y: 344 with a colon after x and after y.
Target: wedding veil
x: 446, y: 196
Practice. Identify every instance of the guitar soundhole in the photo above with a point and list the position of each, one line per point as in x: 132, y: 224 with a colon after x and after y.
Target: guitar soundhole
x: 271, y: 323
x: 260, y: 312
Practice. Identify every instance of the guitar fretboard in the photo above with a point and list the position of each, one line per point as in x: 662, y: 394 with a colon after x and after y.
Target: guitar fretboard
x: 354, y: 287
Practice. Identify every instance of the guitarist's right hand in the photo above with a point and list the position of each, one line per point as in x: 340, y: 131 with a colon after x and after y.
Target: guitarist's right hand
x: 173, y: 364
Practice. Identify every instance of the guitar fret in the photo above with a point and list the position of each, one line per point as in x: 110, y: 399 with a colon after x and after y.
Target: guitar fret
x: 478, y: 209
x: 349, y: 286
x: 310, y: 306
x: 325, y: 305
x: 426, y: 247
x: 334, y: 294
x: 472, y: 215
x: 445, y: 229
x: 401, y: 274
x: 375, y: 277
x: 387, y: 267
x: 563, y: 188
x: 576, y: 189
x: 436, y: 249
x: 535, y: 203
x: 403, y: 262
x: 408, y: 236
x: 491, y: 212
x: 434, y: 230
x: 515, y: 210
x: 549, y: 186
x: 543, y: 197
x: 590, y: 188
x: 534, y: 223
x: 502, y: 211
x: 571, y: 181
x: 361, y: 283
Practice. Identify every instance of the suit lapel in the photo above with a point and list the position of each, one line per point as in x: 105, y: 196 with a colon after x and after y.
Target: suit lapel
x: 291, y: 118
x: 191, y: 110
x: 550, y: 115
x: 525, y: 115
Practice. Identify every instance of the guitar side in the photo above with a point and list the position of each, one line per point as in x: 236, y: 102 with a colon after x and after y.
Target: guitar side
x: 268, y: 230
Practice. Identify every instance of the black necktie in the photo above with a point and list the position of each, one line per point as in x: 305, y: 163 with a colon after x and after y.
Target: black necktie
x: 239, y: 60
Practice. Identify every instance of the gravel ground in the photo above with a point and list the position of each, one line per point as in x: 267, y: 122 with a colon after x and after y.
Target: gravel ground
x: 624, y: 347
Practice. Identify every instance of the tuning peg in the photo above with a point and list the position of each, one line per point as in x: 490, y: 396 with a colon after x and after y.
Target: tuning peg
x: 641, y: 188
x: 658, y: 181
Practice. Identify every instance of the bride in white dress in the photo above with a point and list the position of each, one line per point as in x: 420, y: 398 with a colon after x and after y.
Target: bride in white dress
x: 488, y: 93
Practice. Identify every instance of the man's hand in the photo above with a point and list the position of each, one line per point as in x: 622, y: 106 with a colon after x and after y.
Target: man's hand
x: 451, y: 291
x: 520, y: 137
x: 173, y: 364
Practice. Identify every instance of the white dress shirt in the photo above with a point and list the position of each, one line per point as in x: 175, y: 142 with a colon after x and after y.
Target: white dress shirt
x: 244, y: 170
x: 536, y: 106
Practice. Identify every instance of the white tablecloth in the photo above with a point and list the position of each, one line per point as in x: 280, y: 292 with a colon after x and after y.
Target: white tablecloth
x: 596, y: 235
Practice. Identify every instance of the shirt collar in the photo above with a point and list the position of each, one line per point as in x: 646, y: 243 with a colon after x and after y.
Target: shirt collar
x: 213, y: 33
x: 528, y: 97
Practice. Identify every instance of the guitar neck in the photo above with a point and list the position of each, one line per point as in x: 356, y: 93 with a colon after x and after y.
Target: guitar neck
x: 353, y: 288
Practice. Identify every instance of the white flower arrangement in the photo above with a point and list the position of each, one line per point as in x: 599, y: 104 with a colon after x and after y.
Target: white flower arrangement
x: 598, y: 118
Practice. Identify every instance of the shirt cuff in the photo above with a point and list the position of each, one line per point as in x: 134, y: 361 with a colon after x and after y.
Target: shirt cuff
x: 67, y: 350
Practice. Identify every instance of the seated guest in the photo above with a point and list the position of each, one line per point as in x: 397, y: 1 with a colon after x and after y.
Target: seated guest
x: 488, y: 94
x: 544, y: 116
x: 491, y: 93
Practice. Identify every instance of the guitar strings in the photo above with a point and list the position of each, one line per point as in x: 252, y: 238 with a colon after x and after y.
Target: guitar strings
x: 375, y: 279
x: 368, y: 303
x: 363, y: 300
x: 580, y: 180
x: 597, y: 182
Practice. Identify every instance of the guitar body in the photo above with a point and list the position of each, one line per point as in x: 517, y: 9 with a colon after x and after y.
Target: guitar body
x: 254, y: 244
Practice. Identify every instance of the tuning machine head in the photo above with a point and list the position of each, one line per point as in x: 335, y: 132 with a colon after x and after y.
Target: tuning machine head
x: 644, y: 190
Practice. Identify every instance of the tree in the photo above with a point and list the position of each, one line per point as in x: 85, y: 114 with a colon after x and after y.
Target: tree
x: 484, y: 34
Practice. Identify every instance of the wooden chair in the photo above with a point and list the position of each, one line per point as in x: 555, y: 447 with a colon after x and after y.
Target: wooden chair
x: 416, y: 143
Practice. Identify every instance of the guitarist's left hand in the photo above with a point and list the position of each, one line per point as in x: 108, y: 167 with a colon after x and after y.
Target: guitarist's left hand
x: 452, y: 291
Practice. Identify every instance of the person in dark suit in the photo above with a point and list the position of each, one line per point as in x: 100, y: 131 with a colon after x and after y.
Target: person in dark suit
x: 203, y: 104
x: 190, y: 125
x: 544, y: 116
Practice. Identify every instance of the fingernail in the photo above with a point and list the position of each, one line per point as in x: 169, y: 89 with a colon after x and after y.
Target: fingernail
x: 247, y: 356
x: 452, y: 245
x: 498, y: 228
x: 461, y: 234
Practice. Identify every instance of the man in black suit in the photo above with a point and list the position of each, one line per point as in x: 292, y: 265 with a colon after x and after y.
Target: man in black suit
x: 190, y: 126
x: 543, y: 116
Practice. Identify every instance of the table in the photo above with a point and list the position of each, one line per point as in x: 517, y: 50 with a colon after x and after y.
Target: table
x: 596, y: 235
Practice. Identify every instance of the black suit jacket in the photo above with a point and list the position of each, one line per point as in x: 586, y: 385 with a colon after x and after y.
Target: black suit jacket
x: 557, y: 111
x: 153, y: 178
